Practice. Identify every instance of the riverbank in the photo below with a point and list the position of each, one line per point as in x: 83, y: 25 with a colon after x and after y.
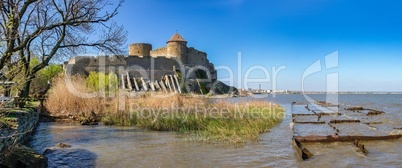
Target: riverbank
x: 16, y: 127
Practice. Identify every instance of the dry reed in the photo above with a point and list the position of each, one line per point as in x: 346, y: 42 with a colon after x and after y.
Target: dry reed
x: 207, y: 119
x: 62, y: 102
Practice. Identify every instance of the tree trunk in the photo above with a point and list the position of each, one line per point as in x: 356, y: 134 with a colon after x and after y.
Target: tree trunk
x: 24, y: 93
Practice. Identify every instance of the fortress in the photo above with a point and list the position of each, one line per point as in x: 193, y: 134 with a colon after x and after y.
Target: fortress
x: 149, y: 67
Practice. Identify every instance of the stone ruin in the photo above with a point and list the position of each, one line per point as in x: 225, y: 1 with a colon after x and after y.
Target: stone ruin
x: 168, y: 68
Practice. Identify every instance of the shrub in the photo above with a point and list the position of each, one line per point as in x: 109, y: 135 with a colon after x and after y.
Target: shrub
x: 101, y: 82
x: 40, y: 84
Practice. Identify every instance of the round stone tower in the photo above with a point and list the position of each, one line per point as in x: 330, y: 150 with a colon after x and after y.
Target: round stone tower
x: 139, y: 49
x: 177, y: 47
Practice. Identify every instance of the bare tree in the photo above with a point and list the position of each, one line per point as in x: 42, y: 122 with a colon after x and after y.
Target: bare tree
x: 55, y: 30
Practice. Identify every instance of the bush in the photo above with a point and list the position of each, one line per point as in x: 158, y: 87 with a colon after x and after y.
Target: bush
x: 101, y: 82
x: 40, y: 84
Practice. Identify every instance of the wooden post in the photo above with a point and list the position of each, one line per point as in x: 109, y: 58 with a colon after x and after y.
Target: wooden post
x: 123, y: 85
x: 199, y: 86
x: 167, y: 81
x: 136, y: 84
x: 158, y: 87
x: 152, y: 86
x: 144, y: 85
x: 163, y: 86
x: 129, y: 82
x: 177, y: 83
x: 171, y: 79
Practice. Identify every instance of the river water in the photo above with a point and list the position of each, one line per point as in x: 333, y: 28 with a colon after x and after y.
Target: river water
x: 103, y: 146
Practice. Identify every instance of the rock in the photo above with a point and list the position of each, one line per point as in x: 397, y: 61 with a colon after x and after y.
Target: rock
x: 90, y: 119
x: 47, y: 151
x: 23, y: 156
x: 221, y: 88
x: 63, y: 145
x: 235, y: 94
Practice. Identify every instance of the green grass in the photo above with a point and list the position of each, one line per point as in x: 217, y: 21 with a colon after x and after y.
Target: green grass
x: 236, y: 123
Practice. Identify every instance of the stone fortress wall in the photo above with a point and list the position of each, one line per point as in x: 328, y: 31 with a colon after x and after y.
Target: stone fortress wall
x: 140, y: 49
x: 196, y: 57
x: 158, y: 52
x: 143, y: 62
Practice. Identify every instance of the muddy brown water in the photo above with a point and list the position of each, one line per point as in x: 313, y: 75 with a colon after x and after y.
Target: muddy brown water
x: 103, y: 146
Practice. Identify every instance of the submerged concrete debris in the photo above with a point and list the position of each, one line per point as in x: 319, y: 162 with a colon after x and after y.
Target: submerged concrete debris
x: 323, y: 122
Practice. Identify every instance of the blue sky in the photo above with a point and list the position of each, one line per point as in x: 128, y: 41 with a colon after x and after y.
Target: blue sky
x: 293, y: 33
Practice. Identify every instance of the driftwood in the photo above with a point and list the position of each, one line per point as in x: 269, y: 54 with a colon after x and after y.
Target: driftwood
x: 360, y: 147
x: 374, y: 112
x: 343, y: 121
x: 309, y: 122
x: 354, y: 108
x: 302, y: 152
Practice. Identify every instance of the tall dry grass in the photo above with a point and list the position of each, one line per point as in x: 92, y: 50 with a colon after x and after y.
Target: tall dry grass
x: 205, y: 119
x: 62, y: 102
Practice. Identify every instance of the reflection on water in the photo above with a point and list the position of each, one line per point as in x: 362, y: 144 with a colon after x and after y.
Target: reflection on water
x: 104, y: 146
